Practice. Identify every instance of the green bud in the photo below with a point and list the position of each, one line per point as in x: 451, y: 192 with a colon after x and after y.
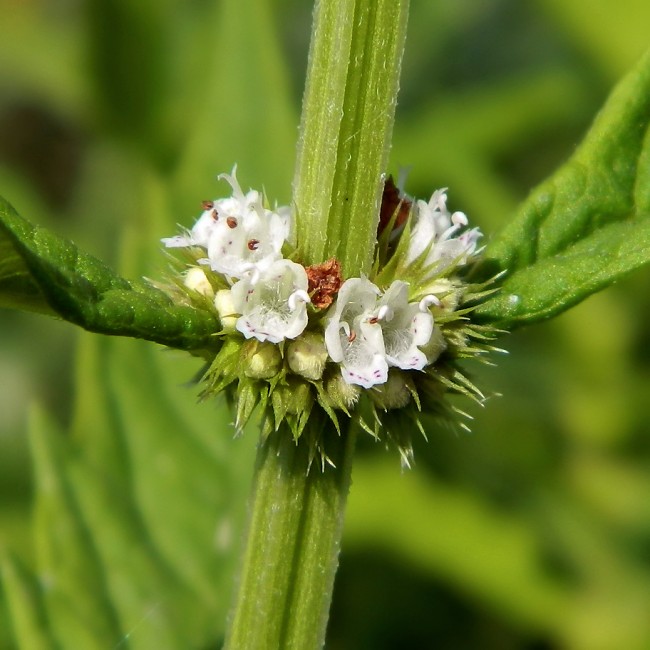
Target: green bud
x: 435, y: 346
x: 307, y: 355
x: 342, y: 394
x: 446, y: 291
x: 260, y: 360
x: 394, y: 394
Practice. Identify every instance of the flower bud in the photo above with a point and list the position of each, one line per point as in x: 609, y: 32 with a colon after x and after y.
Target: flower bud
x: 446, y: 291
x: 295, y: 397
x: 260, y: 360
x: 342, y: 394
x: 394, y: 394
x: 307, y: 356
x: 226, y: 310
x: 197, y: 280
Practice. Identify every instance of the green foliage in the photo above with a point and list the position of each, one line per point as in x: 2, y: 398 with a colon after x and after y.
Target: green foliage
x: 532, y: 532
x: 43, y: 273
x: 139, y: 507
x: 130, y: 544
x: 589, y: 224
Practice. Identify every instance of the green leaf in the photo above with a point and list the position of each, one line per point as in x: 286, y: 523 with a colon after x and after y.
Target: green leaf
x: 44, y: 273
x: 138, y: 513
x: 233, y: 81
x: 589, y: 224
x: 28, y: 615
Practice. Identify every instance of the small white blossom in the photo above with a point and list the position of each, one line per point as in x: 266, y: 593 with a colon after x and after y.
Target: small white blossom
x: 436, y: 231
x: 236, y: 205
x: 367, y: 332
x: 353, y: 337
x: 405, y: 326
x: 238, y: 232
x: 272, y: 303
x: 247, y: 237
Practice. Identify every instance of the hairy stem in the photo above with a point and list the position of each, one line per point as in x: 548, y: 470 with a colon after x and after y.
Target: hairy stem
x: 296, y: 515
x: 347, y: 121
x: 293, y: 543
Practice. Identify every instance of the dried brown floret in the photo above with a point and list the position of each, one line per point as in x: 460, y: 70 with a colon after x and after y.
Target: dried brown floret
x: 324, y: 282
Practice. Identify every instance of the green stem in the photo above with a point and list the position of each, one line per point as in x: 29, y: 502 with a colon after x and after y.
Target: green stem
x: 295, y: 526
x: 347, y: 121
x: 296, y: 515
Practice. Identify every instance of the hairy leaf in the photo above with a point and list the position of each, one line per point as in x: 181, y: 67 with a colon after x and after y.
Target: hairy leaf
x: 42, y: 272
x: 589, y: 224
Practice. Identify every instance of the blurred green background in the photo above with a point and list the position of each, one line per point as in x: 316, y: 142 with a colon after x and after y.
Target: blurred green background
x: 533, y: 531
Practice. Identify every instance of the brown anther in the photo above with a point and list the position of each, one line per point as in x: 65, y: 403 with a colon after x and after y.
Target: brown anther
x: 232, y: 222
x: 324, y: 282
x: 352, y: 336
x: 207, y: 205
x: 373, y: 320
x: 215, y: 214
x: 253, y: 244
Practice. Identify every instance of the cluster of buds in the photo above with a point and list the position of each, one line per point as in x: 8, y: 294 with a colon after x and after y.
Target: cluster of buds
x: 295, y: 336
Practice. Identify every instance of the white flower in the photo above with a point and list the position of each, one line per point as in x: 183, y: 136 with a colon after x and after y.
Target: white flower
x: 238, y: 232
x: 436, y: 231
x: 247, y: 237
x: 405, y: 326
x: 272, y: 303
x: 353, y: 336
x: 367, y: 333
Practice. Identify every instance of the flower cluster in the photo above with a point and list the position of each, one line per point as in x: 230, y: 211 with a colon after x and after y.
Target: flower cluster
x: 299, y: 328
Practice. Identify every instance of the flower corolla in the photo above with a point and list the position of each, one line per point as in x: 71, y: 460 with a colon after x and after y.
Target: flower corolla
x: 368, y: 332
x: 239, y: 233
x: 436, y: 234
x: 272, y: 303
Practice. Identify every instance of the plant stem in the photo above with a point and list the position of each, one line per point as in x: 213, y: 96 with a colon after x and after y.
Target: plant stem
x: 294, y: 534
x: 296, y: 515
x: 347, y: 121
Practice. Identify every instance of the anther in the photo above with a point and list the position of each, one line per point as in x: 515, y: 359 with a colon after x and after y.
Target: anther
x: 459, y: 219
x: 232, y: 222
x: 253, y: 244
x: 207, y: 205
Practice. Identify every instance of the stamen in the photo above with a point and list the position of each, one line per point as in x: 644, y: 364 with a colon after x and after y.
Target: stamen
x: 252, y: 271
x: 215, y: 214
x: 427, y: 301
x: 449, y: 232
x: 232, y: 222
x: 352, y: 336
x: 383, y: 312
x: 459, y: 219
x: 207, y: 205
x: 300, y: 295
x: 253, y: 244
